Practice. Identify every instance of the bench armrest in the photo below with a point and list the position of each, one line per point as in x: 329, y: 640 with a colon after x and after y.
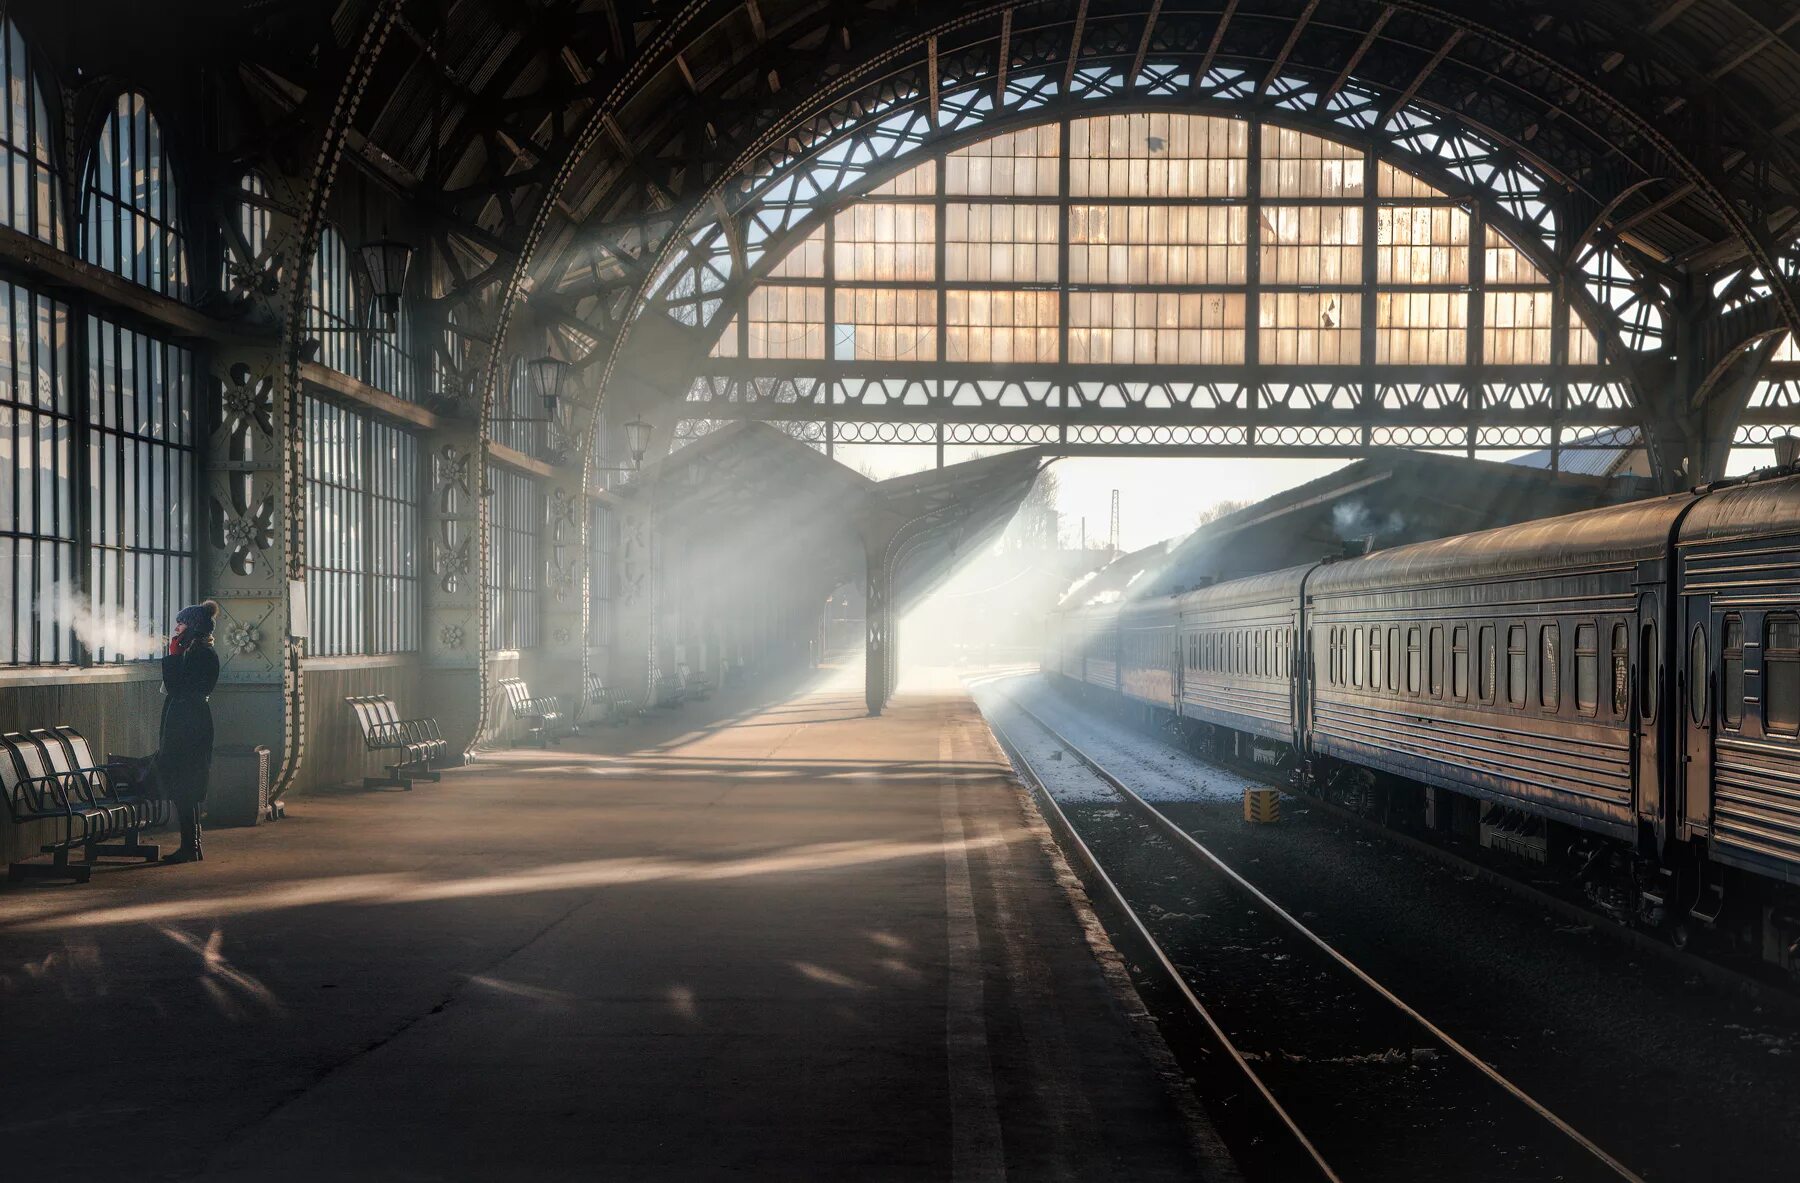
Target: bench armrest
x: 386, y: 734
x: 36, y: 797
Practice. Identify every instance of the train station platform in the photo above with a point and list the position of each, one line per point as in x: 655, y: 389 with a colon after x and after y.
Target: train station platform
x: 736, y: 941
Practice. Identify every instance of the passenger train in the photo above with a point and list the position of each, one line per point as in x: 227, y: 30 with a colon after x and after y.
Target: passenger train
x: 1621, y: 685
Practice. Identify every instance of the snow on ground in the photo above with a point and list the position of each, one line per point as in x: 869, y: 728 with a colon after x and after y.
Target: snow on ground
x: 1155, y: 770
x: 1063, y: 776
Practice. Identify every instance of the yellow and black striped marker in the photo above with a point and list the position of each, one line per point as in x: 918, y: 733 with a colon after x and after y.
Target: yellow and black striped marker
x: 1262, y: 806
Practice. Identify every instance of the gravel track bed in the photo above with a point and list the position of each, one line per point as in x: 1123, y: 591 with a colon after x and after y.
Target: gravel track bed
x: 1379, y: 1096
x: 1678, y: 1078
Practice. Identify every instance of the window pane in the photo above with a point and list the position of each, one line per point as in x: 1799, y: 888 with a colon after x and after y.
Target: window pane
x: 1587, y: 669
x: 1487, y: 663
x: 1412, y: 661
x: 1549, y: 669
x: 130, y: 224
x: 1621, y: 668
x: 1699, y: 670
x: 1515, y: 665
x: 1459, y: 662
x: 1781, y: 674
x: 1731, y: 674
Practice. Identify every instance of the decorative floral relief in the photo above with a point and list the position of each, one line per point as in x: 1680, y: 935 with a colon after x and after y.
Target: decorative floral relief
x: 243, y: 638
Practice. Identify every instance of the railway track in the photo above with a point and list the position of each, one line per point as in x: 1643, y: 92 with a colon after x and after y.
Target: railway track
x: 1311, y: 1066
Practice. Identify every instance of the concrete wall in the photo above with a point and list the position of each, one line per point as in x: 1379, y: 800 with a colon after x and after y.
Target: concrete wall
x: 335, y: 754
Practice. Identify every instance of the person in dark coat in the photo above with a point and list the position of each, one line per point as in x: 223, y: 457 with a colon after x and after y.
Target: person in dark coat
x: 190, y: 670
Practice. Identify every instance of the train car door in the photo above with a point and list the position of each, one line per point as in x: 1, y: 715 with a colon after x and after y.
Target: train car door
x: 1177, y: 669
x: 1646, y: 693
x: 1694, y: 720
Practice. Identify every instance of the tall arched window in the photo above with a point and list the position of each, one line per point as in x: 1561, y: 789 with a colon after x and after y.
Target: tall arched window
x: 518, y: 421
x: 332, y: 303
x: 39, y: 534
x: 391, y: 365
x: 248, y: 239
x: 131, y: 214
x: 31, y: 197
x: 140, y: 434
x: 362, y: 484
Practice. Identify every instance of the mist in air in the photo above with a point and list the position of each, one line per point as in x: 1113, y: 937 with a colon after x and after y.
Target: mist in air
x: 993, y: 610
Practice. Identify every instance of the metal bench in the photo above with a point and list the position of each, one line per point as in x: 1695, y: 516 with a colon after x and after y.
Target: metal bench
x: 694, y: 688
x: 670, y: 692
x: 608, y: 706
x: 540, y: 716
x: 383, y: 731
x: 422, y: 731
x: 50, y: 776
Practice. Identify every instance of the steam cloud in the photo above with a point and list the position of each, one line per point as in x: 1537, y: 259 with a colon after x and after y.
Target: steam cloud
x: 98, y: 626
x: 1352, y: 520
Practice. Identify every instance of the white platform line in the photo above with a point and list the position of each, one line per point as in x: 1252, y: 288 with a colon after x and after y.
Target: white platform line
x: 976, y: 1150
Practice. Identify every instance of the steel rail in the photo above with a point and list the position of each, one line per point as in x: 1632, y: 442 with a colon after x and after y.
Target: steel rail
x: 1173, y: 973
x: 1184, y: 839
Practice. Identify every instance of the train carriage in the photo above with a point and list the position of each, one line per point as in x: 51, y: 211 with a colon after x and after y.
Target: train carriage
x: 1503, y: 664
x: 1239, y: 644
x: 1631, y: 672
x: 1147, y: 653
x: 1737, y: 706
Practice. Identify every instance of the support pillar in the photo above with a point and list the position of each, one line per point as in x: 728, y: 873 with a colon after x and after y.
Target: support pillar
x: 876, y: 649
x: 451, y: 631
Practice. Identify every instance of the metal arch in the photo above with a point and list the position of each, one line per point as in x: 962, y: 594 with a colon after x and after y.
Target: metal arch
x: 1463, y: 115
x: 1556, y: 265
x: 817, y: 102
x: 1753, y: 240
x: 507, y: 305
x: 357, y: 73
x: 1431, y: 12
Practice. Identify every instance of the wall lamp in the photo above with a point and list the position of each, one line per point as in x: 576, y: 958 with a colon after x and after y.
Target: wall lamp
x: 386, y: 262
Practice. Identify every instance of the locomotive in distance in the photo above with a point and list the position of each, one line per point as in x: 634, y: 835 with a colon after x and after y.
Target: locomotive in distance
x: 1625, y: 681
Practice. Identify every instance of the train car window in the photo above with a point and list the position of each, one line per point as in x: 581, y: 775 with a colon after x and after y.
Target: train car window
x: 1375, y: 659
x: 1393, y: 659
x: 1485, y: 659
x: 1412, y: 660
x: 1459, y: 662
x: 1356, y: 658
x: 1515, y: 665
x: 1647, y: 655
x: 1781, y: 674
x: 1549, y: 686
x: 1435, y: 664
x: 1699, y: 669
x: 1621, y: 668
x: 1587, y: 669
x: 1731, y: 673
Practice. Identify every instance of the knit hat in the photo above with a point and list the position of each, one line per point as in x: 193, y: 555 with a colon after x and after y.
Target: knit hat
x: 198, y: 618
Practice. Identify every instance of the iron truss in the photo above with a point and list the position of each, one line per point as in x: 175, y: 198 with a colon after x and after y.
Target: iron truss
x: 569, y: 153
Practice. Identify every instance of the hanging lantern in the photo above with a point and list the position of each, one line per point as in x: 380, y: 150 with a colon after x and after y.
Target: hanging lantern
x: 387, y: 260
x: 546, y: 375
x: 637, y: 440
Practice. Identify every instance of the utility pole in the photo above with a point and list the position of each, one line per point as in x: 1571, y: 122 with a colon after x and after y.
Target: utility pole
x: 1115, y: 522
